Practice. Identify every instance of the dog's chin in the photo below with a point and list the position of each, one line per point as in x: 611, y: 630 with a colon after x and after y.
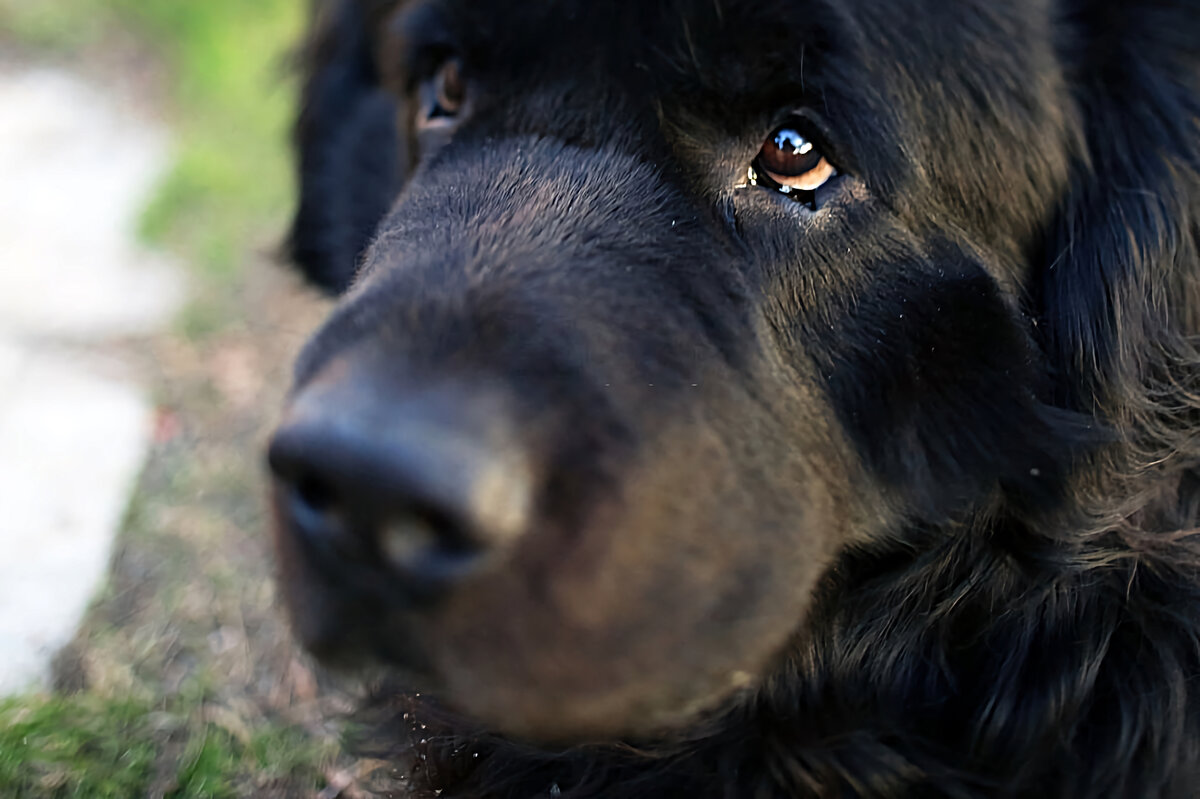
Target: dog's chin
x: 524, y: 712
x: 558, y: 725
x: 393, y: 665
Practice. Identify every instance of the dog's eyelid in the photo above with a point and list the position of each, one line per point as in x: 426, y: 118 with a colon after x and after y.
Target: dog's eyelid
x: 424, y: 64
x: 413, y: 42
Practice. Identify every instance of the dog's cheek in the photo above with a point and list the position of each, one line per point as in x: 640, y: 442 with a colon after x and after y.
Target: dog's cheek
x: 924, y: 363
x: 936, y: 383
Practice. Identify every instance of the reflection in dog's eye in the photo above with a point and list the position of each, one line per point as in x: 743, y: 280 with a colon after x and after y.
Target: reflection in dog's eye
x: 789, y: 155
x: 790, y: 163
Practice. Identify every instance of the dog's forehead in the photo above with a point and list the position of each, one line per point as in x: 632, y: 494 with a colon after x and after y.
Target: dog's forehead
x: 727, y: 48
x: 712, y: 41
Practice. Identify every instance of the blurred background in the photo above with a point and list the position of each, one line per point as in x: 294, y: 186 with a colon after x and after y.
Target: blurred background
x: 146, y: 334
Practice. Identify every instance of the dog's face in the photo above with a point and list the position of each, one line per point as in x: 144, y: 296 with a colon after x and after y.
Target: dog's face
x: 680, y: 301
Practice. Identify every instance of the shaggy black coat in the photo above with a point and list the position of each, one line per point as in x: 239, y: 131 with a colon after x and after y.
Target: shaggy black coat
x: 1015, y: 362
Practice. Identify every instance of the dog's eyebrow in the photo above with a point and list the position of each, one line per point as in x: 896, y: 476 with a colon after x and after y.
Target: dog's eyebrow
x: 765, y: 41
x: 405, y: 34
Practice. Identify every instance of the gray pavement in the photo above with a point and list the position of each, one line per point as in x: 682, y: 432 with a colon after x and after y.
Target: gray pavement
x: 76, y: 168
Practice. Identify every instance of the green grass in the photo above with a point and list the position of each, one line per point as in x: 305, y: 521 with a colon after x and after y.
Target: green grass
x: 74, y: 748
x: 87, y: 747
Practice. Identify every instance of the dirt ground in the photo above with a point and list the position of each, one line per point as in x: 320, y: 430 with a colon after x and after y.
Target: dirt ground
x: 190, y: 608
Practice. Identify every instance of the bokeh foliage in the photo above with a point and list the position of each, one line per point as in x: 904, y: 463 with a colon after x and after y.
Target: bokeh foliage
x: 229, y: 102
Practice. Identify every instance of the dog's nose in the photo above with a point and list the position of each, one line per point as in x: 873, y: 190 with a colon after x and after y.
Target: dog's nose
x: 395, y: 489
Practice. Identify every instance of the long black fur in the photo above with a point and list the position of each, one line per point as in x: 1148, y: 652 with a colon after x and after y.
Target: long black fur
x: 1006, y: 642
x: 350, y: 154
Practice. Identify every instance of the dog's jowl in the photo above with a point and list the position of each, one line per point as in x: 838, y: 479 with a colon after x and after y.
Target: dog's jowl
x: 755, y: 398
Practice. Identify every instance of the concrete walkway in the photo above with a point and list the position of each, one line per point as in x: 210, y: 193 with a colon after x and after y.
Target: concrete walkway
x: 76, y: 168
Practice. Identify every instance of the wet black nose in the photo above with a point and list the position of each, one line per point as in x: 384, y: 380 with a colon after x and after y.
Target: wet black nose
x: 403, y: 493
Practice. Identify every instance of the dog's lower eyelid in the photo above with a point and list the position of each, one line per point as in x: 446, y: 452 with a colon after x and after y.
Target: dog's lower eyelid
x: 807, y: 197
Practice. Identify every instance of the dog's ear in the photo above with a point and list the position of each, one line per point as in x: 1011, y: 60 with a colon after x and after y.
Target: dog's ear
x: 350, y: 156
x: 1121, y: 285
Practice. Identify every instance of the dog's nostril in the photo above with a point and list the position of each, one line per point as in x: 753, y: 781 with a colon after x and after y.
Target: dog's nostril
x: 316, y: 494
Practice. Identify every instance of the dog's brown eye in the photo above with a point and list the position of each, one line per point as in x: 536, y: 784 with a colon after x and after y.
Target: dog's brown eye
x: 790, y: 161
x: 450, y: 88
x: 443, y: 95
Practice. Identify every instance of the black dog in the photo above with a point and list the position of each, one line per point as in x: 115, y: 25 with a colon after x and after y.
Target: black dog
x: 757, y: 398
